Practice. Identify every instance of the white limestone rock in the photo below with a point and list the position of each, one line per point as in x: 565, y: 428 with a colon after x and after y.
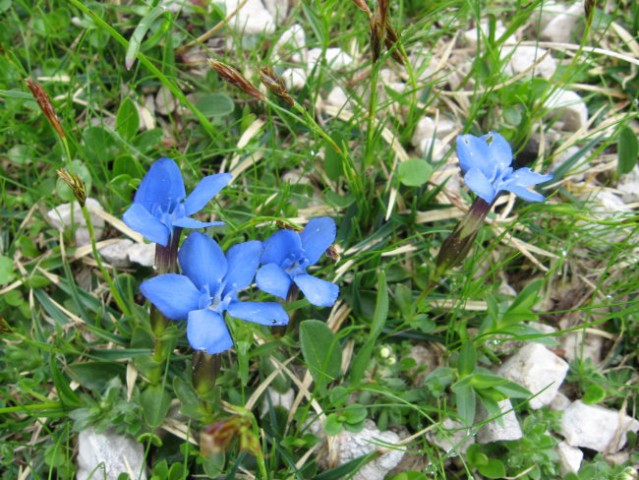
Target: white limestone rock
x: 64, y: 216
x: 569, y: 458
x: 504, y: 428
x: 560, y: 402
x: 165, y: 102
x: 335, y: 58
x: 562, y: 25
x: 607, y: 204
x: 452, y: 437
x: 582, y: 346
x: 346, y: 446
x: 570, y: 154
x: 294, y: 78
x: 539, y: 370
x: 142, y: 254
x: 530, y: 59
x: 629, y: 186
x: 117, y: 253
x: 337, y: 97
x: 598, y: 428
x: 278, y: 9
x: 294, y: 40
x: 470, y: 37
x: 252, y: 19
x: 273, y: 398
x: 106, y: 455
x: 427, y: 128
x: 433, y: 149
x: 571, y: 109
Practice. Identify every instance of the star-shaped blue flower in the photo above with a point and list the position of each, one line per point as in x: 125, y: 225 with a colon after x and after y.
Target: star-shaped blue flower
x: 208, y: 288
x: 160, y: 204
x: 486, y: 164
x: 287, y: 254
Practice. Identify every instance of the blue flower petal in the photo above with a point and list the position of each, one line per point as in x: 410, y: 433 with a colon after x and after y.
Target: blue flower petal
x: 271, y: 278
x: 162, y: 185
x: 188, y: 222
x: 525, y: 177
x: 524, y: 193
x: 202, y: 260
x: 243, y: 260
x: 139, y: 219
x: 207, y: 332
x: 205, y: 191
x: 499, y: 152
x: 472, y: 153
x: 265, y: 313
x: 174, y: 295
x: 480, y: 185
x: 318, y: 292
x: 280, y: 245
x: 318, y: 235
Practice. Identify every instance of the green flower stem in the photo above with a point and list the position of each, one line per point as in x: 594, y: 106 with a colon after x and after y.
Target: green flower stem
x: 165, y: 262
x: 206, y: 368
x: 94, y: 249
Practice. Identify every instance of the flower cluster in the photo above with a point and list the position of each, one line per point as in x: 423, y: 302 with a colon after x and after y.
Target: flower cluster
x: 211, y: 281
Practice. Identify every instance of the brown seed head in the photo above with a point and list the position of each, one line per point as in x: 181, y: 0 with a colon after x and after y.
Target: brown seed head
x: 76, y: 185
x: 232, y: 76
x: 361, y: 4
x: 44, y: 102
x: 275, y: 84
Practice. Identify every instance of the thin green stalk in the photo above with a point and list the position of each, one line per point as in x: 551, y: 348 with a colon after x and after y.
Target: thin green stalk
x: 94, y: 249
x: 144, y: 60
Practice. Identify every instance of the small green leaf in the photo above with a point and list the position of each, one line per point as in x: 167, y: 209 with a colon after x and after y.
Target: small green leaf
x: 67, y: 397
x: 466, y: 399
x: 381, y: 306
x: 467, y: 359
x: 493, y: 469
x: 7, y: 274
x: 215, y: 105
x: 354, y: 413
x: 627, y: 150
x: 155, y: 402
x: 321, y: 350
x: 138, y: 35
x: 414, y: 172
x: 593, y: 394
x: 127, y: 120
x: 332, y: 425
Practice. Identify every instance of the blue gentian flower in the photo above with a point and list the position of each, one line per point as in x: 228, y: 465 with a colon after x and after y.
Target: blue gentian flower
x: 160, y: 203
x: 486, y: 164
x: 208, y: 288
x: 287, y: 254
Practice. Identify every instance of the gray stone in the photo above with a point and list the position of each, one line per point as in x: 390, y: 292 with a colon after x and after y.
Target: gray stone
x: 273, y: 398
x: 64, y: 216
x: 569, y: 458
x: 165, y: 102
x: 346, y: 446
x: 106, y: 455
x: 539, y: 370
x: 503, y: 428
x: 598, y: 428
x: 335, y: 58
x: 629, y: 186
x: 570, y: 109
x: 294, y: 78
x: 561, y: 26
x: 117, y: 253
x: 534, y: 60
x: 452, y: 437
x: 252, y: 19
x: 142, y: 254
x: 470, y: 37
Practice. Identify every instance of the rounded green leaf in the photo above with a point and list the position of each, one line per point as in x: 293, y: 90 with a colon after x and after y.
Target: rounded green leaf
x: 414, y: 172
x: 215, y: 105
